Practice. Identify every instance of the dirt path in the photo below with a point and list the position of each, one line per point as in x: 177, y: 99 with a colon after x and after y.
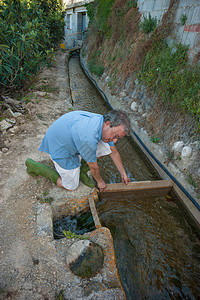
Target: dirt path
x: 24, y: 256
x: 34, y: 265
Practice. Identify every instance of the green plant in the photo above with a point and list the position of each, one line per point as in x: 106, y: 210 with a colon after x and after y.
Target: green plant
x: 183, y: 19
x: 190, y: 180
x: 71, y: 235
x: 96, y: 69
x: 130, y: 4
x: 60, y: 296
x: 165, y: 71
x: 148, y: 24
x: 154, y: 139
x: 45, y: 193
x: 28, y: 35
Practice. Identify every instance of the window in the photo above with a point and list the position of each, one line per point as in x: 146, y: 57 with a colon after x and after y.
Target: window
x: 69, y: 16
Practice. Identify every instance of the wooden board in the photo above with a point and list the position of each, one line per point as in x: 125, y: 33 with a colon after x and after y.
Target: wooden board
x: 141, y: 188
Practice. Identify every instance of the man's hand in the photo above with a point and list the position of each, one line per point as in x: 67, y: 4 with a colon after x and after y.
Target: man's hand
x: 97, y: 176
x: 125, y: 179
x: 102, y: 186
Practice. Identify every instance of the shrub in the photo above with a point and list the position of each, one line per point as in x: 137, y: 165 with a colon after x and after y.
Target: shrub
x: 26, y: 41
x: 96, y: 69
x: 166, y: 71
x: 148, y: 24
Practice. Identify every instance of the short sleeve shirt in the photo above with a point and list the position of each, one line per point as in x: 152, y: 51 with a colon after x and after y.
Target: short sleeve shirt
x: 73, y: 134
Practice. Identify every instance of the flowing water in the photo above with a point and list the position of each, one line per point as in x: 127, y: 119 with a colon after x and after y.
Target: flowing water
x: 157, y: 252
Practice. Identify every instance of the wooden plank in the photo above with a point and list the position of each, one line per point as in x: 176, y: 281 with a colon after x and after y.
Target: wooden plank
x: 141, y: 188
x: 94, y: 212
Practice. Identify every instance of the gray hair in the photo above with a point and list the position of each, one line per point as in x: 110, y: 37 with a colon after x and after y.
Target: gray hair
x: 117, y: 118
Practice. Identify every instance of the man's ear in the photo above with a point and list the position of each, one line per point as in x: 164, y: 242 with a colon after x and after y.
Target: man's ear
x: 107, y: 123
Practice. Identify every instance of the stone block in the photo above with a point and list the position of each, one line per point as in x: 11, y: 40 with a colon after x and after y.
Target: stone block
x: 185, y: 3
x: 196, y: 15
x: 189, y: 38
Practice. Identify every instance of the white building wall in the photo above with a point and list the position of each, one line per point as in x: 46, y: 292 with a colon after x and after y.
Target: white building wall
x: 73, y: 36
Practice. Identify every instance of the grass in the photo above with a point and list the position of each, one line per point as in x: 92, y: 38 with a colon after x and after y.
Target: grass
x: 71, y: 235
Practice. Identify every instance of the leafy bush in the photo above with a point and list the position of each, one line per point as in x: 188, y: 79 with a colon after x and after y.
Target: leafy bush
x: 96, y: 69
x: 26, y: 41
x: 148, y: 24
x: 130, y: 4
x: 166, y: 71
x: 103, y: 12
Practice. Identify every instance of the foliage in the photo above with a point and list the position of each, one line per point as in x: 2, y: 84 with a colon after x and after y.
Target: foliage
x: 71, y: 235
x: 104, y: 9
x: 130, y: 4
x: 154, y: 139
x: 148, y: 24
x: 28, y: 34
x: 190, y: 180
x: 183, y: 19
x: 96, y: 69
x: 165, y: 70
x: 91, y: 10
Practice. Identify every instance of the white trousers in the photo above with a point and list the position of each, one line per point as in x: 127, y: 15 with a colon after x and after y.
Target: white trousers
x: 70, y: 178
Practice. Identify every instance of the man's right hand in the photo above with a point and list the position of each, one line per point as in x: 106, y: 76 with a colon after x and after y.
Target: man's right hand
x: 97, y: 176
x: 102, y: 186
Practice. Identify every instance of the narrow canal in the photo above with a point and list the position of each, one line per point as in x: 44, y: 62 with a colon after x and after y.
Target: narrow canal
x: 157, y: 252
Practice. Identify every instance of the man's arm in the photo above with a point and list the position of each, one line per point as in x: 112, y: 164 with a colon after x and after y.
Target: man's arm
x: 116, y: 158
x: 94, y: 168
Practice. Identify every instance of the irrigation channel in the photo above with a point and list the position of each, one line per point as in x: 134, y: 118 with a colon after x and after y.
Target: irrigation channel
x: 157, y: 252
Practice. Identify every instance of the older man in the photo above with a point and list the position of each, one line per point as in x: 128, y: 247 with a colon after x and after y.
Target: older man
x: 84, y: 135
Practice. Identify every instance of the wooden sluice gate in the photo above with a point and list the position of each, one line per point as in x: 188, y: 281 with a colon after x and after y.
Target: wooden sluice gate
x: 141, y: 188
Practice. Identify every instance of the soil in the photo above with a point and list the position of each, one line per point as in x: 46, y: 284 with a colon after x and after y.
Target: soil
x: 26, y: 270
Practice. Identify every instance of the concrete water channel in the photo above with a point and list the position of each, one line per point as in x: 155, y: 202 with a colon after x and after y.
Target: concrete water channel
x: 157, y: 251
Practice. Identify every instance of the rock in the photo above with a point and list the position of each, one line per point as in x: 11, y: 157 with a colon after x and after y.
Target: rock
x: 140, y: 110
x: 177, y: 148
x: 4, y: 125
x: 122, y: 94
x: 186, y: 152
x: 85, y: 258
x: 14, y: 129
x: 136, y: 81
x: 4, y: 150
x: 10, y: 113
x: 40, y: 94
x: 134, y: 106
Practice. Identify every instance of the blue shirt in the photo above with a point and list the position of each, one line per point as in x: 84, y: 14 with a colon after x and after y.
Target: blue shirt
x: 75, y: 133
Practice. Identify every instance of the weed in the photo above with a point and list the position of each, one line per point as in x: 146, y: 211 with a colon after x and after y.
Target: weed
x: 40, y: 116
x: 154, y: 139
x: 148, y: 24
x: 60, y: 296
x: 130, y: 4
x: 183, y: 19
x: 190, y: 180
x: 45, y: 193
x: 96, y: 69
x: 71, y: 235
x: 165, y: 70
x: 170, y: 155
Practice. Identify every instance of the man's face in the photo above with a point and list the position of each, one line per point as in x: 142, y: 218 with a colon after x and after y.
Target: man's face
x: 110, y: 134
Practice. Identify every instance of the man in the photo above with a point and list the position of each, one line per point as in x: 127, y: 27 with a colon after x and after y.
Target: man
x: 83, y: 135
